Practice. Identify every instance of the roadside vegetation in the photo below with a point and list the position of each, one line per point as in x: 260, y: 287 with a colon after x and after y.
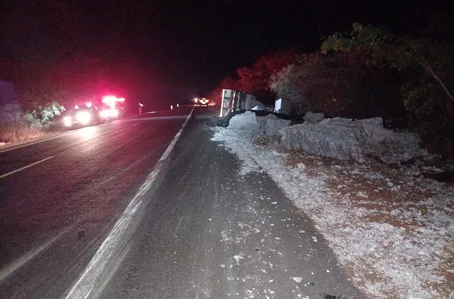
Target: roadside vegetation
x: 42, y: 90
x: 17, y: 125
x: 368, y: 72
x: 17, y: 131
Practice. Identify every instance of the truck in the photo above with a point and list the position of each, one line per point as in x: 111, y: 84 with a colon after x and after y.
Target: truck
x: 112, y: 107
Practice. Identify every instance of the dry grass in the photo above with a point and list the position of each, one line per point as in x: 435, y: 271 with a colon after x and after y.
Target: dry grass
x: 18, y: 131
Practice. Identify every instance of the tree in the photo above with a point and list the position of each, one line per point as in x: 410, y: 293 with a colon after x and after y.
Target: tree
x: 255, y: 79
x: 424, y: 64
x: 402, y: 53
x: 287, y: 85
x: 341, y: 84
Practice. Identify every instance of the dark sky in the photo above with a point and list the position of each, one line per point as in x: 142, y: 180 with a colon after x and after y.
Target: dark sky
x: 177, y: 49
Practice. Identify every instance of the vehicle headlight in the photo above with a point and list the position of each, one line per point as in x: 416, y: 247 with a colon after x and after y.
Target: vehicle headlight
x: 83, y: 117
x: 67, y: 121
x: 104, y: 113
x: 115, y: 112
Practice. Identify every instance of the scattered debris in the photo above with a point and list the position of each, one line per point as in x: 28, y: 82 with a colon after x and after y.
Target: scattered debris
x: 390, y: 226
x: 297, y: 279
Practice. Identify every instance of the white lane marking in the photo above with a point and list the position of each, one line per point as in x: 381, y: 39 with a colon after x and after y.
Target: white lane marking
x: 95, y: 269
x: 172, y: 144
x: 122, y: 255
x: 8, y: 270
x: 25, y: 167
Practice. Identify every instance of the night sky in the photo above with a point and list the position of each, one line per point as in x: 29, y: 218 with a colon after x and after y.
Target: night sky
x: 175, y: 50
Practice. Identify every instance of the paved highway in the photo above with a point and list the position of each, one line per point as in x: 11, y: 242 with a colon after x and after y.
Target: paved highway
x: 149, y: 207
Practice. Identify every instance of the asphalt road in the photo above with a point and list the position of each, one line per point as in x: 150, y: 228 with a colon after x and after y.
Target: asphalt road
x: 111, y: 212
x: 55, y: 214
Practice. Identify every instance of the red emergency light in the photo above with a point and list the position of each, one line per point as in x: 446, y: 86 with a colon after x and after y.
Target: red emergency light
x: 109, y: 100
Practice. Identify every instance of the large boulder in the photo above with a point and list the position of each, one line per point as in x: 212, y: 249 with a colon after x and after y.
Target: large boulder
x: 262, y: 122
x: 346, y: 139
x: 386, y: 145
x: 270, y: 125
x: 244, y: 121
x: 274, y: 126
x: 334, y: 138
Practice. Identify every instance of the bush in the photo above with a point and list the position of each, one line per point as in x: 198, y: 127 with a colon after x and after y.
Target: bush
x: 41, y: 115
x: 13, y: 126
x: 286, y: 85
x: 16, y: 126
x: 341, y: 84
x: 255, y: 79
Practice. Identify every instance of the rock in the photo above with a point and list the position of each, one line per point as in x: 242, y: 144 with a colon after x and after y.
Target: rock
x: 270, y: 125
x: 313, y: 118
x: 273, y: 127
x: 262, y: 122
x: 451, y: 229
x: 346, y: 139
x: 334, y: 138
x: 244, y: 121
x: 387, y: 145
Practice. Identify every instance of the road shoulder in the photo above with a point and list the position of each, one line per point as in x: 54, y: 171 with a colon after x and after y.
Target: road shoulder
x: 211, y: 232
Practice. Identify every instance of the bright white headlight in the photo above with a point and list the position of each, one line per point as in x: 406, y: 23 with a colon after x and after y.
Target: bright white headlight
x: 115, y: 112
x: 83, y: 117
x: 104, y: 113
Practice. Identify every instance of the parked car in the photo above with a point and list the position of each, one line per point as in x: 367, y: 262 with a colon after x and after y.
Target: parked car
x: 82, y: 117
